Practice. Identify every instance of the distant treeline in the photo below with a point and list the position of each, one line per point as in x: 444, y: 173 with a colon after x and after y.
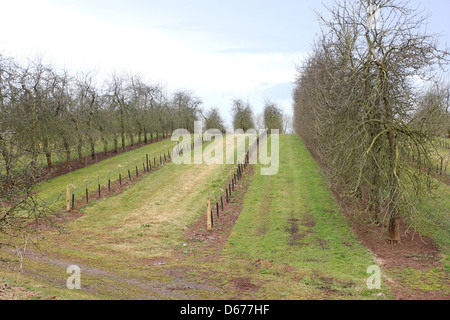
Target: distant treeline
x: 47, y: 110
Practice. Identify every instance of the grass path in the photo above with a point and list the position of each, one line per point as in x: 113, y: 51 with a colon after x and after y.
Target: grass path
x: 291, y: 219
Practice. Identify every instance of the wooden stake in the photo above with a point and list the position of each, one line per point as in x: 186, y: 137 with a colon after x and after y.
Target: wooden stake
x: 68, y: 198
x: 208, y: 215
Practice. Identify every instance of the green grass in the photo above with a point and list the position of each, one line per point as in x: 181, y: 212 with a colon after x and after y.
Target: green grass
x: 290, y: 242
x: 120, y: 234
x: 53, y: 191
x: 292, y: 219
x: 433, y: 279
x: 60, y: 157
x: 434, y: 221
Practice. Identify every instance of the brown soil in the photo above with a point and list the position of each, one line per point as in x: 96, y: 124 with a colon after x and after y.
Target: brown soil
x: 414, y: 251
x: 245, y: 285
x: 296, y: 236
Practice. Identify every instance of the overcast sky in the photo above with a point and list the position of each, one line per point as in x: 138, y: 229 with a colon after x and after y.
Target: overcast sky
x: 220, y: 50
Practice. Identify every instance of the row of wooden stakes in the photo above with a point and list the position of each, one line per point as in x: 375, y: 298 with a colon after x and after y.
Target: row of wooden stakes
x: 231, y: 186
x: 146, y: 167
x: 228, y: 192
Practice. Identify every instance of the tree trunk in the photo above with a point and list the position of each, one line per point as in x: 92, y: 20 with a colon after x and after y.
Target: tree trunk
x: 116, y: 144
x: 131, y: 138
x: 7, y: 158
x: 122, y: 128
x: 67, y: 148
x: 48, y: 154
x: 33, y: 109
x: 80, y: 150
x: 105, y: 146
x: 92, y: 144
x: 123, y: 141
x: 372, y: 113
x: 393, y: 201
x: 374, y: 198
x: 394, y: 231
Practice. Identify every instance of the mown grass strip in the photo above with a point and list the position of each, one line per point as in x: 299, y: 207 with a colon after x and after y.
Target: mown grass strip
x: 291, y: 218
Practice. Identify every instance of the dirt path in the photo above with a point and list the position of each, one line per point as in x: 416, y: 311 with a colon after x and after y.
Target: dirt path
x: 117, y: 285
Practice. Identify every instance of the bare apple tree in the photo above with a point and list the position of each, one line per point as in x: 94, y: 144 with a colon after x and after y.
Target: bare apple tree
x: 354, y: 98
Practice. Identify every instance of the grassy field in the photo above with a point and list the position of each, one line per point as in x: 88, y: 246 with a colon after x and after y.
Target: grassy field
x: 442, y: 153
x: 60, y: 157
x: 53, y: 191
x: 290, y: 241
x: 292, y: 219
x: 126, y: 232
x: 435, y: 221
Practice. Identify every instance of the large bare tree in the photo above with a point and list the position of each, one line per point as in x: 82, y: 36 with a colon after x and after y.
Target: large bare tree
x: 354, y: 98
